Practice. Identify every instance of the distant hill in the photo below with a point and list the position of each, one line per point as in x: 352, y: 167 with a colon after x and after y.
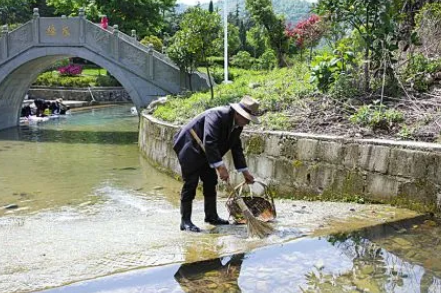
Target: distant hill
x: 293, y: 10
x: 180, y: 8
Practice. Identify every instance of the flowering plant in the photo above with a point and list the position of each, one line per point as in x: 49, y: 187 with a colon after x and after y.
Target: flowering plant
x: 70, y: 70
x: 306, y: 32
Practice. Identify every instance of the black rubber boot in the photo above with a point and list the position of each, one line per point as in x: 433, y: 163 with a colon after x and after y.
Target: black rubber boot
x: 186, y: 224
x: 211, y: 215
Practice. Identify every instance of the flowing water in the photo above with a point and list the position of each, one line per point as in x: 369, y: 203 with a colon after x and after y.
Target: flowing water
x: 79, y: 202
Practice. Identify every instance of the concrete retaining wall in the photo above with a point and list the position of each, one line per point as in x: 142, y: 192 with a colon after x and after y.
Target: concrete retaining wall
x: 100, y: 94
x: 302, y: 165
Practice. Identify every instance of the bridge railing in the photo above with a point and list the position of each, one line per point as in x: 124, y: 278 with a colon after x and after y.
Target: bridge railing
x: 153, y: 64
x: 15, y: 41
x: 132, y: 40
x: 145, y: 48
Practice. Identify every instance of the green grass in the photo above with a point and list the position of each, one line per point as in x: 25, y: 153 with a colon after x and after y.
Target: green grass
x: 94, y: 71
x: 277, y: 90
x: 92, y: 78
x: 87, y: 72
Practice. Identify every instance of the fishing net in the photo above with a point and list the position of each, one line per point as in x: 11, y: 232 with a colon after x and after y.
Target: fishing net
x: 258, y: 200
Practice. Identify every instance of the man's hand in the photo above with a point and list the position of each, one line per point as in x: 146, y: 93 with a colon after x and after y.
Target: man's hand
x: 223, y: 173
x: 249, y: 179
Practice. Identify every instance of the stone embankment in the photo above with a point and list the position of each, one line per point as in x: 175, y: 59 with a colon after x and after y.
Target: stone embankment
x: 99, y: 94
x: 299, y: 165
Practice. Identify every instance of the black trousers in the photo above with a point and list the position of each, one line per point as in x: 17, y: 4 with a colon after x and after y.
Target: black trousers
x: 208, y: 177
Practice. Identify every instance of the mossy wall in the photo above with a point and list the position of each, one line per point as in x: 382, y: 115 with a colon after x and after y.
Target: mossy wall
x: 323, y: 167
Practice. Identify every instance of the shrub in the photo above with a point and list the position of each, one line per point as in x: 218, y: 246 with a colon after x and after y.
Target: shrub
x: 70, y: 70
x: 154, y: 40
x: 268, y: 60
x: 243, y: 60
x: 419, y: 70
x: 216, y: 60
x: 328, y: 67
x: 275, y: 121
x: 376, y: 116
x: 51, y: 79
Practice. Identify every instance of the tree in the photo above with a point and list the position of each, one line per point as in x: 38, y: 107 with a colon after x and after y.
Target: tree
x: 196, y: 40
x: 242, y: 36
x: 145, y: 16
x: 257, y: 40
x: 375, y: 22
x: 182, y: 54
x: 71, y: 7
x: 153, y: 40
x: 306, y: 33
x: 262, y: 12
x: 43, y: 8
x: 210, y: 6
x: 15, y: 11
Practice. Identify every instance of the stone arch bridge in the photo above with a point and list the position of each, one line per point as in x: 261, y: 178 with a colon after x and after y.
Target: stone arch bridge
x: 33, y: 47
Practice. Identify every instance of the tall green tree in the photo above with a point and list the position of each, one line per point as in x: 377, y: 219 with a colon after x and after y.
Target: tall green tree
x: 375, y: 22
x: 44, y: 9
x: 197, y: 39
x: 182, y: 54
x: 15, y: 11
x: 145, y: 16
x: 257, y: 40
x: 242, y: 36
x: 71, y: 7
x: 262, y: 12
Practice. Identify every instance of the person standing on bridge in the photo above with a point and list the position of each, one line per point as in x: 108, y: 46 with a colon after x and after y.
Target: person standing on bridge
x: 219, y: 129
x: 104, y: 22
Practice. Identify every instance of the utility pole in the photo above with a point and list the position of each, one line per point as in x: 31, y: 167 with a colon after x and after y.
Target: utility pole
x: 225, y: 42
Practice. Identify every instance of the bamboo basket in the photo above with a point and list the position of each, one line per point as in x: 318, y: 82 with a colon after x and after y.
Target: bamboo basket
x: 261, y: 205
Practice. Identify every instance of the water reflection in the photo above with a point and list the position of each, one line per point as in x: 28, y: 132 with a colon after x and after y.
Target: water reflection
x: 69, y: 136
x: 338, y: 263
x: 220, y: 275
x: 378, y: 267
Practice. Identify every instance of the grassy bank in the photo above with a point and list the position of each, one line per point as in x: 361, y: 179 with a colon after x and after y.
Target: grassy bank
x: 292, y: 103
x: 278, y: 91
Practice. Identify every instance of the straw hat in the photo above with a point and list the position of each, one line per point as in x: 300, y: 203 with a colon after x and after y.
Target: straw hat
x: 248, y: 108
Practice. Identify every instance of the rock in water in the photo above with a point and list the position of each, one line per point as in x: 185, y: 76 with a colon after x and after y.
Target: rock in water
x: 11, y: 206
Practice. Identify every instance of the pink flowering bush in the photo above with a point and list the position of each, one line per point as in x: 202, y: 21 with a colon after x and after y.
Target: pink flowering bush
x: 70, y: 70
x: 306, y: 33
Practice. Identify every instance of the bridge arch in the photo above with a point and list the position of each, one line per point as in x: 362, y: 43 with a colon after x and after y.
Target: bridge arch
x: 35, y: 46
x: 26, y: 68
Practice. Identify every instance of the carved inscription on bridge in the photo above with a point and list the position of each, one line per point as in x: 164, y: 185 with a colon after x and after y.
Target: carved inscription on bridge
x: 59, y: 31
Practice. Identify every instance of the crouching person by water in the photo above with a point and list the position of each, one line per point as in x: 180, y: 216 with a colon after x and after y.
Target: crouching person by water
x: 219, y: 129
x: 62, y: 108
x: 40, y: 105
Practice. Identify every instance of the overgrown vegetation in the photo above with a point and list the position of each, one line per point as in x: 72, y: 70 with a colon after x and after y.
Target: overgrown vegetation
x: 278, y: 90
x: 369, y: 64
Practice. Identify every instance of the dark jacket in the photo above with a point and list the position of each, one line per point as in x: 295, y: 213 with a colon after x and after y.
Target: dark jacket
x: 215, y: 128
